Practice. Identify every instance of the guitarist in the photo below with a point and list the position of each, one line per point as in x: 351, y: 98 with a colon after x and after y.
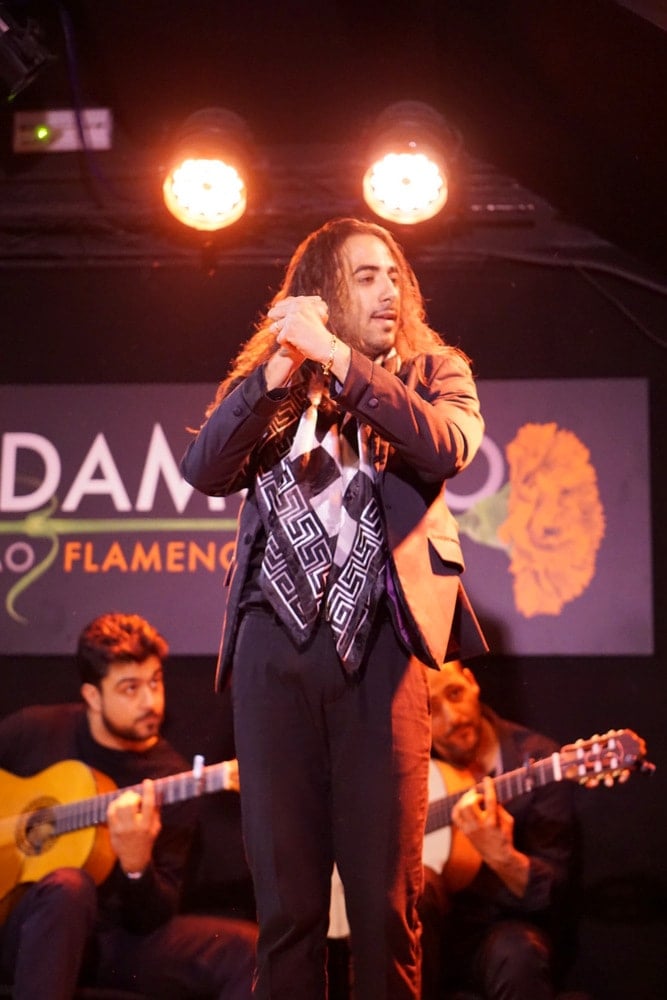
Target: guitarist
x: 495, y: 935
x: 124, y: 932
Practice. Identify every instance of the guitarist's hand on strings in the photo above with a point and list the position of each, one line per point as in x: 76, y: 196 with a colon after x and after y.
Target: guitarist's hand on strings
x: 134, y: 823
x: 490, y: 829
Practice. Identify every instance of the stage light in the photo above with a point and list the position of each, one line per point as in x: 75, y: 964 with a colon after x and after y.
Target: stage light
x: 410, y: 153
x: 22, y: 55
x: 206, y: 181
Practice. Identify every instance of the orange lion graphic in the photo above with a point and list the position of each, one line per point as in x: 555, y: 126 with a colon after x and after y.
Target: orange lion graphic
x: 549, y: 518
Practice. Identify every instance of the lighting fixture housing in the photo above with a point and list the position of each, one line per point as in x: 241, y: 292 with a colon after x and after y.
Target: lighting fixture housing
x: 206, y: 179
x: 411, y: 151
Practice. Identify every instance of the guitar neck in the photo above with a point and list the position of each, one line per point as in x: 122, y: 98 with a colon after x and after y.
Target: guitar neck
x: 508, y: 786
x: 169, y: 790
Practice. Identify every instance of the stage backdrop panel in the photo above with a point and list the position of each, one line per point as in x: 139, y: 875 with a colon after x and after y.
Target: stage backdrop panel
x: 554, y: 516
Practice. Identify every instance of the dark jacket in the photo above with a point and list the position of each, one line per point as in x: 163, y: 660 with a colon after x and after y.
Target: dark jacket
x: 428, y: 427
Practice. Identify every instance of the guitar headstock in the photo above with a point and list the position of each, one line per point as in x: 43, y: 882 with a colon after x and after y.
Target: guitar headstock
x: 609, y: 758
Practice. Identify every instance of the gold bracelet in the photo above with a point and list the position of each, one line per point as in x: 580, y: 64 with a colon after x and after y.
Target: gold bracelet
x: 326, y: 365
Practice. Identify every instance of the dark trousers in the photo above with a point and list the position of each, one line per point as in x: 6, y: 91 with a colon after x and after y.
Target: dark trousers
x: 332, y: 768
x: 47, y: 935
x: 502, y: 960
x: 50, y: 937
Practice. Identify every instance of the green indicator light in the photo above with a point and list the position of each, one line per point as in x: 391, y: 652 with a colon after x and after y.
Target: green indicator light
x: 42, y: 133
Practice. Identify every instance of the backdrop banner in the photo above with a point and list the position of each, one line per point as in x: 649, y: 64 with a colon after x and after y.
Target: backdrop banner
x: 554, y: 515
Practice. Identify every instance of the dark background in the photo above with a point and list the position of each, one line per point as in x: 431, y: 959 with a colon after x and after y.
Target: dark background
x: 562, y: 109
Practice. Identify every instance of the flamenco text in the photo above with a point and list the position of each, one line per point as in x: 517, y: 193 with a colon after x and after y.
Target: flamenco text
x: 37, y: 501
x: 137, y: 557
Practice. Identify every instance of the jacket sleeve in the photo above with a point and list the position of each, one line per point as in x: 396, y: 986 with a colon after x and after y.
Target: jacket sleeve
x: 432, y: 420
x: 430, y: 414
x: 217, y: 460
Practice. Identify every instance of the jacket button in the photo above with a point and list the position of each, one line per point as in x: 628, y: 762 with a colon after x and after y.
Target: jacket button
x: 238, y: 410
x: 373, y: 402
x: 247, y: 538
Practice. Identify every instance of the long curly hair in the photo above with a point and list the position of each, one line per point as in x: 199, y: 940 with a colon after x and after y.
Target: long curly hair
x: 317, y: 268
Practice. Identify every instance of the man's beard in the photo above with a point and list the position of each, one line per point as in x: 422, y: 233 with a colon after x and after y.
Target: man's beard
x: 459, y: 756
x: 131, y: 733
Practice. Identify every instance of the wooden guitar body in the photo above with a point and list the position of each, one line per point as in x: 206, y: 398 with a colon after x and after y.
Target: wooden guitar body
x: 447, y: 850
x: 30, y: 845
x: 57, y: 818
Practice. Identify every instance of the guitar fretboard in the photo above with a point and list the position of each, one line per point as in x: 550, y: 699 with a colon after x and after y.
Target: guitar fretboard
x: 590, y: 760
x: 508, y: 786
x: 169, y: 790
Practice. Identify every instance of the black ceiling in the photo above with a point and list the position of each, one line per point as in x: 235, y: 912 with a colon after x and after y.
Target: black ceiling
x: 567, y: 96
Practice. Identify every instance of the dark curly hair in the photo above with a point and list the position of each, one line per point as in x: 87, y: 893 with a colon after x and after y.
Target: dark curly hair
x: 113, y: 638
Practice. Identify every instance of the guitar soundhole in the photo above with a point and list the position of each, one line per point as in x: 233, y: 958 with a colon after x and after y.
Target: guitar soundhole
x: 37, y: 829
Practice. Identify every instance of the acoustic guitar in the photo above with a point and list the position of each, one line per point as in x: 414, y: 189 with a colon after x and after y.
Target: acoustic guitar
x: 587, y: 762
x: 57, y: 818
x: 448, y: 851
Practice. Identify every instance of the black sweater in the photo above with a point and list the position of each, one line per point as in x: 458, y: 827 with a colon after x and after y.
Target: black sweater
x: 34, y: 738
